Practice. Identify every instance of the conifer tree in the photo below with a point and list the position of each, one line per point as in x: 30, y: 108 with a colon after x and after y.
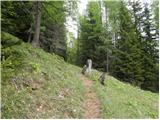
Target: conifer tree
x: 90, y: 30
x: 150, y: 52
x: 127, y: 64
x: 94, y: 38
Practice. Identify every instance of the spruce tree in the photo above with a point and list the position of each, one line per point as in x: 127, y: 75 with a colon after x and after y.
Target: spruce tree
x: 94, y: 38
x: 127, y: 64
x: 150, y: 52
x: 90, y: 30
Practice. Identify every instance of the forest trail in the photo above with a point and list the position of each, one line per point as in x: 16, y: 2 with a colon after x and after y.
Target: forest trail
x: 91, y: 103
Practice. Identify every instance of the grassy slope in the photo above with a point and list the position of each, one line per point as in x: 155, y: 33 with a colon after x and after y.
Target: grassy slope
x: 120, y: 100
x: 51, y: 76
x: 46, y: 73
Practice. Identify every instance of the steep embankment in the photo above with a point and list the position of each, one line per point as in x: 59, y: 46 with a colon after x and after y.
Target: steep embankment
x: 36, y: 84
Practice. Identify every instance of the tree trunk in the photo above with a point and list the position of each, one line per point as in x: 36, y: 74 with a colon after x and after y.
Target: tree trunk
x: 107, y: 63
x: 35, y: 41
x: 29, y: 32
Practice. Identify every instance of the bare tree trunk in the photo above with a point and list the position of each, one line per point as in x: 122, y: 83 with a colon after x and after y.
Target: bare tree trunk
x: 78, y: 49
x: 30, y: 30
x: 29, y: 37
x: 107, y: 63
x: 35, y: 41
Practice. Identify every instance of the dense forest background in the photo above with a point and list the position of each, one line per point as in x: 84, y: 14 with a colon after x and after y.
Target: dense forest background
x: 121, y: 37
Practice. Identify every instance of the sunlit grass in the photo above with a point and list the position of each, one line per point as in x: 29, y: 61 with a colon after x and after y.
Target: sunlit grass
x: 58, y: 90
x: 48, y: 87
x: 119, y: 100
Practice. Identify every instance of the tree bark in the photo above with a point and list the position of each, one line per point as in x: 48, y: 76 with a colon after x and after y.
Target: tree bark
x: 35, y: 41
x: 29, y: 32
x: 107, y: 63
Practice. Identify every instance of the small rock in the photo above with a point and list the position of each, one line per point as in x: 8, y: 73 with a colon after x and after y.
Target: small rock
x: 40, y: 107
x: 37, y: 109
x: 61, y: 96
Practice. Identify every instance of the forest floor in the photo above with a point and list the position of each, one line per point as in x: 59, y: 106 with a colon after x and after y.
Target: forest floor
x: 91, y: 103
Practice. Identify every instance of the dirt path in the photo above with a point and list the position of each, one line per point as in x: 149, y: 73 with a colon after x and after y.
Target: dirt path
x: 91, y: 103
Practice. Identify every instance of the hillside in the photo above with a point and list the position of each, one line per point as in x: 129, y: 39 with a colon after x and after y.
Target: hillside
x: 42, y: 80
x: 121, y: 100
x: 36, y: 84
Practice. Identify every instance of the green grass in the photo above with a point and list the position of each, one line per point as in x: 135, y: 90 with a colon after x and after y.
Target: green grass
x: 49, y: 75
x: 41, y: 77
x: 120, y: 100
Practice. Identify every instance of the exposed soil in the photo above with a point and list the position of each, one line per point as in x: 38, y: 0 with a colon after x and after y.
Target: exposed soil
x: 91, y: 103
